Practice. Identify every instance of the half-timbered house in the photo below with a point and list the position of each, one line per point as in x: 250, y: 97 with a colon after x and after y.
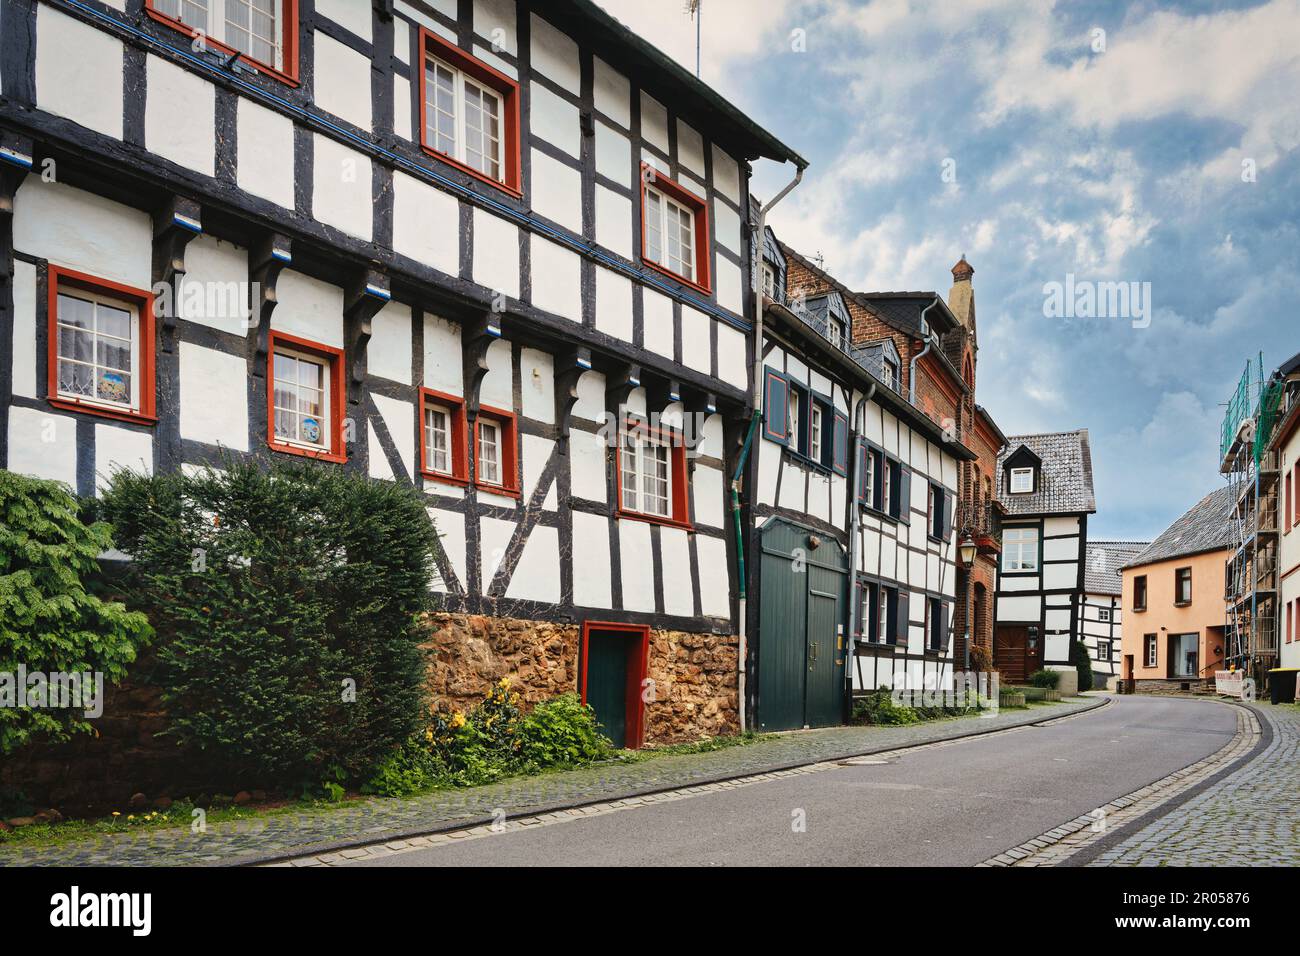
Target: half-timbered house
x: 1045, y: 484
x: 1101, y: 613
x: 852, y: 557
x: 494, y: 250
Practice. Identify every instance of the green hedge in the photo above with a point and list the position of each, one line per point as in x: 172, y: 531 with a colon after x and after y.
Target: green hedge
x: 288, y: 601
x: 50, y: 619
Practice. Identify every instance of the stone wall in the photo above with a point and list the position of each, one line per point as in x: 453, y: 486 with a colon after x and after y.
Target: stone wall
x: 694, y: 675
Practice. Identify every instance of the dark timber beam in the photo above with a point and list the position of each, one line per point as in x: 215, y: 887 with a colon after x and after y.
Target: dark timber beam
x: 366, y: 295
x: 477, y: 337
x: 175, y: 224
x: 569, y: 367
x: 619, y: 384
x: 267, y: 259
x: 15, y: 163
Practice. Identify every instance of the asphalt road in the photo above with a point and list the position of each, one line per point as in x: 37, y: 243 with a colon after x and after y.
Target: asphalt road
x: 949, y: 805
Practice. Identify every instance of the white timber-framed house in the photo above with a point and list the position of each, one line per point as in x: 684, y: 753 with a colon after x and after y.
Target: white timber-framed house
x: 495, y: 250
x: 1101, y: 612
x: 1044, y: 482
x: 852, y: 562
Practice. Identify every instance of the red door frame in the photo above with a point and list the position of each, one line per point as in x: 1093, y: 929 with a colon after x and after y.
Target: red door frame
x: 636, y: 673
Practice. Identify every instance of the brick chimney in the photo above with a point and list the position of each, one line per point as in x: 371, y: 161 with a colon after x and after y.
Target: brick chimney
x: 961, y: 297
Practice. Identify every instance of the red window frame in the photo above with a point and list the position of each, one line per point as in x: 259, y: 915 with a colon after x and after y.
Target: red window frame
x: 636, y: 675
x: 338, y: 397
x: 58, y: 277
x: 681, y: 516
x: 289, y: 74
x: 509, y: 451
x: 432, y: 44
x: 650, y: 176
x: 459, y: 438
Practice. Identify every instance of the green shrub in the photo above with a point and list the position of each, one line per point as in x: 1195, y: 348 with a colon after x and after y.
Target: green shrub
x: 50, y: 621
x: 1082, y: 661
x: 494, y: 740
x: 289, y: 601
x: 1048, y: 679
x: 562, y: 732
x: 879, y: 707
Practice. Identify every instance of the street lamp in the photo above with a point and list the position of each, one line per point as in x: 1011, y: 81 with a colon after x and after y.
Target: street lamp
x: 967, y: 549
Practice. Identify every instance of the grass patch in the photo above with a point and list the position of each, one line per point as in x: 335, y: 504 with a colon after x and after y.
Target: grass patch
x: 707, y: 745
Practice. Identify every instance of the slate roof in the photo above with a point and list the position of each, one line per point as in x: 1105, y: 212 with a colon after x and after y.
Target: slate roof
x: 1065, y: 484
x: 902, y: 310
x: 1205, y: 527
x: 1105, y: 558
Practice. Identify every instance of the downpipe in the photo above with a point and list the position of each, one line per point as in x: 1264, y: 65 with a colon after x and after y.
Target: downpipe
x: 756, y: 287
x: 911, y: 366
x: 855, y: 540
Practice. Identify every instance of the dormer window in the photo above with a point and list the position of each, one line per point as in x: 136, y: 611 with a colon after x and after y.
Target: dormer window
x: 769, y: 281
x: 835, y: 331
x: 1022, y: 480
x: 891, y: 373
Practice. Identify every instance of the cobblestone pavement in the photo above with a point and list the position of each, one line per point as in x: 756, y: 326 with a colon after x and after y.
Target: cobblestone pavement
x: 1076, y: 836
x: 377, y: 820
x: 1246, y: 819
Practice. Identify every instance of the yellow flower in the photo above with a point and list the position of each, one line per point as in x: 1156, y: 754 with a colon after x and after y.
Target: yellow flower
x: 458, y: 720
x: 131, y: 816
x: 504, y: 683
x: 117, y: 813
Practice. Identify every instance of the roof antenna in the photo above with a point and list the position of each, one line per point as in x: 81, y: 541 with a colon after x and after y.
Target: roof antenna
x: 693, y: 8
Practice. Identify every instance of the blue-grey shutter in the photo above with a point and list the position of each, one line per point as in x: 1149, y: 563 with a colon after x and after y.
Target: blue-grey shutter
x: 904, y: 491
x: 943, y: 625
x: 776, y: 407
x: 863, y: 452
x: 949, y: 515
x: 840, y: 444
x: 901, y: 615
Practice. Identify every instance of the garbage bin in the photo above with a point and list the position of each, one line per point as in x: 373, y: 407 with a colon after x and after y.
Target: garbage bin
x: 1281, y: 684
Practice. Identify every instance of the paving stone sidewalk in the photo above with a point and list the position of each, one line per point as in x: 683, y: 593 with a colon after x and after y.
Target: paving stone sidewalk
x: 1246, y: 819
x: 316, y: 830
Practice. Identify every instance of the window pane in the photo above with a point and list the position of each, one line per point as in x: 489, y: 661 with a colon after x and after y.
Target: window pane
x: 75, y: 344
x: 77, y: 313
x: 286, y: 423
x: 653, y: 227
x: 76, y: 379
x: 489, y: 468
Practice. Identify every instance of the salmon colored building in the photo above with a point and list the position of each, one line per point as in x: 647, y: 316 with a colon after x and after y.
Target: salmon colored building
x: 1173, y: 623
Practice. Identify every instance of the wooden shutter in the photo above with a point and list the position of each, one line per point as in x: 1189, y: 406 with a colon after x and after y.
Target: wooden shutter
x: 904, y: 492
x: 944, y: 612
x: 776, y: 407
x: 840, y: 445
x: 901, y: 615
x: 948, y: 514
x: 863, y: 452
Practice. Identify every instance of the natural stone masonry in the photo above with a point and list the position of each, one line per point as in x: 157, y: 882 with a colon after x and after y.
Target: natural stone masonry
x: 694, y: 674
x: 1059, y: 844
x: 1246, y: 819
x: 317, y: 831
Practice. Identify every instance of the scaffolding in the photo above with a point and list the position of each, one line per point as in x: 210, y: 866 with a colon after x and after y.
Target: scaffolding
x: 1252, y: 471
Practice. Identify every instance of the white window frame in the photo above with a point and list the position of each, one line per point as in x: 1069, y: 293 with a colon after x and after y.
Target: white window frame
x: 871, y: 479
x: 460, y: 144
x: 98, y: 299
x: 795, y: 434
x: 498, y: 445
x: 769, y: 281
x: 656, y: 221
x: 834, y: 330
x: 216, y: 13
x: 633, y: 464
x: 430, y: 452
x: 327, y: 400
x: 890, y: 371
x: 1152, y: 650
x: 882, y: 615
x: 815, y: 431
x: 1017, y: 486
x: 1020, y: 549
x: 1103, y: 615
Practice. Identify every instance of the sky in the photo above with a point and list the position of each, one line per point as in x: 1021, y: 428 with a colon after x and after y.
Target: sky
x: 1138, y: 143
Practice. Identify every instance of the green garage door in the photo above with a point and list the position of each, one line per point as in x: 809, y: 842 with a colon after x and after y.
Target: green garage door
x: 800, y: 650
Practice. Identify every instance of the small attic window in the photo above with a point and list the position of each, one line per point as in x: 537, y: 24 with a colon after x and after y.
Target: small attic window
x: 1022, y: 480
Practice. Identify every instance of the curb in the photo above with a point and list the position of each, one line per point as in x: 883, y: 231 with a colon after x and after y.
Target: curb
x: 372, y: 839
x: 1093, y: 850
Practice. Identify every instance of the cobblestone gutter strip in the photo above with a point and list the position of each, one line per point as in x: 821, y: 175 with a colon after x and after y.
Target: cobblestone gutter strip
x: 377, y: 821
x: 1244, y: 817
x: 1081, y: 839
x: 501, y: 825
